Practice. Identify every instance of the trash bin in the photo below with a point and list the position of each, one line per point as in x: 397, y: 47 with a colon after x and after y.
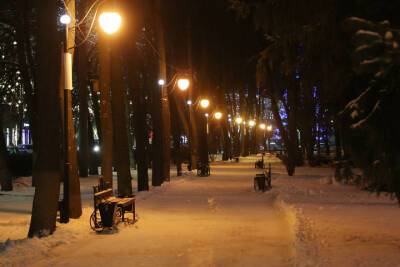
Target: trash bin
x: 107, y: 213
x: 259, y: 183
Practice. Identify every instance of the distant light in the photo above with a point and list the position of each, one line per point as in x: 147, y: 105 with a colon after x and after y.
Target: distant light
x: 65, y: 19
x: 207, y: 115
x: 96, y: 148
x: 269, y: 128
x: 15, y: 43
x: 189, y: 102
x: 183, y: 84
x: 238, y: 120
x: 217, y: 115
x: 263, y: 126
x: 204, y: 103
x: 161, y: 82
x: 229, y: 119
x: 252, y: 123
x: 110, y: 22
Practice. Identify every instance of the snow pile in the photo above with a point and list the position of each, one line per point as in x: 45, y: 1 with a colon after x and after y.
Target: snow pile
x: 24, y: 251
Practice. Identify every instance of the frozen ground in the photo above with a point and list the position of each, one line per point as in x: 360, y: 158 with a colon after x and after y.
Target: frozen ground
x: 220, y: 221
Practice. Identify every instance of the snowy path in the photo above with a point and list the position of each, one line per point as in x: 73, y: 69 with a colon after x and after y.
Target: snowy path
x: 307, y: 220
x: 214, y: 221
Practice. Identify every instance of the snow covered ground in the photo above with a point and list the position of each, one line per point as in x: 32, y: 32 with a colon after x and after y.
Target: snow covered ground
x: 219, y: 221
x: 339, y: 225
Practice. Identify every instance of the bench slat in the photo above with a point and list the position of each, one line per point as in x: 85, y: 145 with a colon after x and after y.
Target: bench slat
x: 103, y: 193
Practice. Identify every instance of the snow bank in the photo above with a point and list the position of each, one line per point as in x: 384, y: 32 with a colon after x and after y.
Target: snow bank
x: 23, y: 252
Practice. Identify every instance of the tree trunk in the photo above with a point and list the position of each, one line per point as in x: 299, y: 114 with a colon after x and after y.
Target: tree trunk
x: 136, y: 94
x: 121, y: 143
x: 165, y: 109
x: 338, y: 140
x: 291, y: 153
x: 82, y: 77
x: 47, y: 169
x: 106, y: 123
x: 157, y: 166
x: 140, y: 126
x: 5, y: 175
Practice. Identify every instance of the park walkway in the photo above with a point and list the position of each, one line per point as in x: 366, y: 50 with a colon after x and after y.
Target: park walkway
x: 193, y: 221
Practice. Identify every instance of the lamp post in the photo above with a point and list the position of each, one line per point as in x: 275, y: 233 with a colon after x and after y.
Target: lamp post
x: 269, y: 130
x: 263, y: 128
x: 67, y: 66
x: 183, y: 85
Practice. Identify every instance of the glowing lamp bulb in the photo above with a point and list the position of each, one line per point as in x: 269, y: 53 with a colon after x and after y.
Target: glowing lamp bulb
x: 269, y: 128
x: 238, y: 120
x: 110, y: 22
x: 252, y: 123
x: 189, y: 102
x: 161, y: 82
x: 65, y: 19
x: 263, y: 126
x: 217, y: 115
x: 204, y: 103
x: 183, y: 84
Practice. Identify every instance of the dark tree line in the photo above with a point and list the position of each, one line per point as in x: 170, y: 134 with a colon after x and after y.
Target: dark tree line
x: 332, y: 66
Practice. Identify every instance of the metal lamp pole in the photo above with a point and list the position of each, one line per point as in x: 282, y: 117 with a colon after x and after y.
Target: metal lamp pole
x: 67, y: 65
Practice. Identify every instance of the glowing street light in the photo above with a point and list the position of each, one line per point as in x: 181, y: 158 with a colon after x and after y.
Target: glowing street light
x: 161, y: 82
x: 269, y: 128
x: 189, y: 102
x: 204, y: 103
x: 110, y: 22
x: 65, y: 19
x: 238, y: 120
x: 183, y: 84
x: 252, y: 123
x: 263, y: 126
x: 217, y: 115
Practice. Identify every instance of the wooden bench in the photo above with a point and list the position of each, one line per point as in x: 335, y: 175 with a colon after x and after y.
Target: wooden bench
x: 262, y: 181
x: 122, y: 205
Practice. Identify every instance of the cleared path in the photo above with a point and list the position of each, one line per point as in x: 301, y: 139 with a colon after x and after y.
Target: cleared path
x: 193, y: 221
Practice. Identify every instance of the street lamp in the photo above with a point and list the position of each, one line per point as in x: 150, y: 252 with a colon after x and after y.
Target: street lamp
x: 68, y: 87
x: 65, y: 19
x: 252, y: 123
x: 269, y: 128
x: 238, y: 120
x: 217, y: 115
x: 183, y: 84
x: 161, y: 82
x: 204, y: 103
x: 110, y: 22
x: 263, y: 126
